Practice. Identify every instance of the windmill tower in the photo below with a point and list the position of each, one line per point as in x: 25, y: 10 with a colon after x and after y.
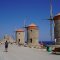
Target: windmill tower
x: 33, y: 35
x: 20, y: 35
x: 57, y: 28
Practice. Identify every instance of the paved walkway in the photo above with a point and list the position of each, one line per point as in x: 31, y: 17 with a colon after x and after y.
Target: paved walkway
x: 24, y: 53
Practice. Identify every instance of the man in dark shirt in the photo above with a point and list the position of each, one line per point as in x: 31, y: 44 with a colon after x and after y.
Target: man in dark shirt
x: 6, y: 46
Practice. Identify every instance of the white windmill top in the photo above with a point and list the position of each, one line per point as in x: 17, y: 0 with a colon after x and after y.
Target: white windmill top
x: 32, y: 25
x: 20, y: 30
x: 58, y: 14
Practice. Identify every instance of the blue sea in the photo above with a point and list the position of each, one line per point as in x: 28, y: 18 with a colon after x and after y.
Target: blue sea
x: 47, y: 42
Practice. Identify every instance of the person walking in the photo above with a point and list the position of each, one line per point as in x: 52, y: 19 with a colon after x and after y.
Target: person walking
x: 6, y: 46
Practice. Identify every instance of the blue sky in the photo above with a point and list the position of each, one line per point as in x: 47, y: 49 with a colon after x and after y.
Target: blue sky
x: 14, y: 12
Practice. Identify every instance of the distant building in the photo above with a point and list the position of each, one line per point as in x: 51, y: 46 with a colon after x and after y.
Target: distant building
x: 7, y: 38
x: 32, y: 35
x: 20, y: 36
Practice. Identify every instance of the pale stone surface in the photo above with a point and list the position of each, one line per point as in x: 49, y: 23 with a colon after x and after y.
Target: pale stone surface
x: 16, y: 52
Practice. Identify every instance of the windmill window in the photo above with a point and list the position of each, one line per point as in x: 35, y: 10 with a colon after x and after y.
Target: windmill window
x: 19, y: 40
x: 30, y: 40
x: 19, y: 33
x: 31, y: 30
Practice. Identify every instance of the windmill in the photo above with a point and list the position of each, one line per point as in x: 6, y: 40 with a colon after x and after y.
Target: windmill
x: 50, y: 19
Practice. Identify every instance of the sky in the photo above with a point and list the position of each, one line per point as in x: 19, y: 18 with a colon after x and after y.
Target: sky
x: 14, y: 12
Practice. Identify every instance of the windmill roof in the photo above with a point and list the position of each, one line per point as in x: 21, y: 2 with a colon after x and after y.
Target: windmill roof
x: 32, y: 25
x: 58, y: 14
x: 20, y: 30
x: 57, y: 17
